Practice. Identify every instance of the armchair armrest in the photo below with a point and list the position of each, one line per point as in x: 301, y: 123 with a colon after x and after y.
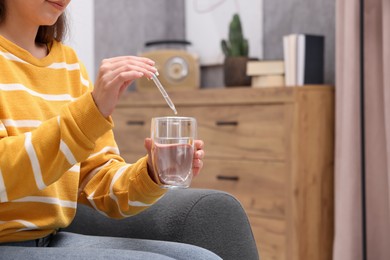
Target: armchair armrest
x: 210, y: 219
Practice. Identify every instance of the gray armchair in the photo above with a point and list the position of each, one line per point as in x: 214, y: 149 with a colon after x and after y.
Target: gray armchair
x: 207, y: 218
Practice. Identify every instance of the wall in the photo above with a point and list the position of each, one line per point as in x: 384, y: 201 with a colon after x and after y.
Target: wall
x: 81, y: 33
x: 123, y: 26
x: 207, y: 24
x: 283, y: 17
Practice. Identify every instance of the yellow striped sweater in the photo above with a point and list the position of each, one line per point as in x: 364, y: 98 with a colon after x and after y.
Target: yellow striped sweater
x: 56, y: 149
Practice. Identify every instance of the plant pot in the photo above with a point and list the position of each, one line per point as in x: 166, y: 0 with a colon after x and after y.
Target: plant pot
x: 234, y: 69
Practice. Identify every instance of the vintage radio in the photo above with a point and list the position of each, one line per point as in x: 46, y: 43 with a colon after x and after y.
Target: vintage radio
x: 178, y: 68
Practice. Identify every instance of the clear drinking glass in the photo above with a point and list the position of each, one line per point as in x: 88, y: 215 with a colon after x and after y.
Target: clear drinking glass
x: 173, y: 150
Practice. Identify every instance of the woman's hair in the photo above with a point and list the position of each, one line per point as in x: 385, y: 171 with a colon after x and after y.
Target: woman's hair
x: 46, y: 34
x: 57, y: 31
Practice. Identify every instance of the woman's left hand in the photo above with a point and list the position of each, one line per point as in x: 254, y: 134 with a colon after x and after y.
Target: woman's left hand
x: 197, y: 163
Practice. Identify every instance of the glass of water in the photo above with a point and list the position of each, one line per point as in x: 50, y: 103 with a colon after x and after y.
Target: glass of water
x: 173, y: 150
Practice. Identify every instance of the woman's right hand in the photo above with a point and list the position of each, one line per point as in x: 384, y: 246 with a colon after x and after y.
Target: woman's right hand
x: 114, y: 76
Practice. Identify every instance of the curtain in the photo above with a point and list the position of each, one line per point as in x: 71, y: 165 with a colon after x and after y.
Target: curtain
x: 362, y: 125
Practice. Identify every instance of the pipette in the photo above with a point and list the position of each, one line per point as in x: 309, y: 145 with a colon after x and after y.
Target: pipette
x: 164, y: 93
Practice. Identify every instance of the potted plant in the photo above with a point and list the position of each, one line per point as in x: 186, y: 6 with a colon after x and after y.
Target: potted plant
x: 236, y: 51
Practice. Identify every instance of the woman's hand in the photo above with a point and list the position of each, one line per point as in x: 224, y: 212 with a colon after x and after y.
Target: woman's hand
x: 197, y: 163
x: 114, y: 76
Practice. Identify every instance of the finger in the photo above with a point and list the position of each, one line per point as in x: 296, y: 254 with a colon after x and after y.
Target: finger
x: 112, y: 70
x: 131, y: 58
x: 195, y: 173
x: 108, y: 71
x: 199, y: 154
x: 114, y: 63
x: 127, y: 68
x: 148, y: 144
x: 197, y: 165
x: 126, y: 76
x: 136, y: 63
x: 199, y: 144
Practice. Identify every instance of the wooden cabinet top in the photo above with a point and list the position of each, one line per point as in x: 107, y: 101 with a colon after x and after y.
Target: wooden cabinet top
x: 221, y: 96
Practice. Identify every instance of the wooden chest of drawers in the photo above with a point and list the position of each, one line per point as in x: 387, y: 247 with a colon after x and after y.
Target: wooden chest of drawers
x: 271, y: 148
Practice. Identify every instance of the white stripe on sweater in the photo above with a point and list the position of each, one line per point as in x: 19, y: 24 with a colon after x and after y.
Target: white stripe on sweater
x: 84, y: 81
x: 90, y: 199
x: 70, y: 67
x: 117, y: 175
x: 92, y: 174
x: 106, y: 149
x: 3, y: 190
x: 75, y: 168
x: 49, y: 200
x: 28, y: 225
x: 65, y: 149
x: 112, y: 195
x: 21, y: 123
x: 56, y: 65
x: 138, y: 204
x: 63, y: 65
x: 68, y: 153
x: 48, y: 97
x: 34, y: 162
x: 10, y: 56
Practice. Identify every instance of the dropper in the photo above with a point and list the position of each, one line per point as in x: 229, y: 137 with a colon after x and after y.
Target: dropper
x: 164, y: 93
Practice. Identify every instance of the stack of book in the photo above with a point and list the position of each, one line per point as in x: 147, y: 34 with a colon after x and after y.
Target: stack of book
x: 266, y: 73
x: 304, y: 59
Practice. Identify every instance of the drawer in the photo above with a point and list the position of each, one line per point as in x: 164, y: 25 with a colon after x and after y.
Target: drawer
x: 242, y: 131
x: 259, y: 186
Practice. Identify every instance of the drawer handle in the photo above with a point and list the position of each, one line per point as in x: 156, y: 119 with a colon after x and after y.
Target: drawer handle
x: 226, y: 123
x: 131, y: 122
x: 228, y: 178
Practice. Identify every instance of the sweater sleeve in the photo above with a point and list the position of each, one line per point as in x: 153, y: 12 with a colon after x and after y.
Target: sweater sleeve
x: 113, y: 187
x: 117, y: 189
x: 32, y: 161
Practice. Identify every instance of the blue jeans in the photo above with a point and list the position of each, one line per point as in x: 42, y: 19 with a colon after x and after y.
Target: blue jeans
x: 66, y: 245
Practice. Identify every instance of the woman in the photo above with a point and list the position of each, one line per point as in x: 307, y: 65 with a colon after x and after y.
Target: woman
x: 56, y: 140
